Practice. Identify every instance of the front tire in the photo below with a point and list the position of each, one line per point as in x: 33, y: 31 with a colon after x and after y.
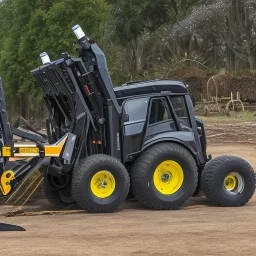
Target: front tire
x: 164, y: 176
x: 100, y: 183
x: 56, y: 197
x: 228, y: 181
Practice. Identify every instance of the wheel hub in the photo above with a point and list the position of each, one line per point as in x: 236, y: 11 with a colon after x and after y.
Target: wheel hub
x: 230, y: 182
x: 66, y: 197
x: 168, y: 177
x: 233, y: 183
x: 103, y: 184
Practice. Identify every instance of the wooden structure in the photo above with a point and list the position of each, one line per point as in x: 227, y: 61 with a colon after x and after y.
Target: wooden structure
x: 216, y: 103
x: 235, y: 103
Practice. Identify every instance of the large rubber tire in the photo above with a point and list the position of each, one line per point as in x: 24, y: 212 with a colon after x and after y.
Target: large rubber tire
x: 213, y: 177
x: 83, y: 174
x: 142, y: 172
x: 56, y: 197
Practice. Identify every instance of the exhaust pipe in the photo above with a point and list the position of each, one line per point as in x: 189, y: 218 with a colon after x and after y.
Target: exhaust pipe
x: 82, y: 38
x: 45, y: 58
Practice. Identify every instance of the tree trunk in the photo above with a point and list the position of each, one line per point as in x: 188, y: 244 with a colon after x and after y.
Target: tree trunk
x: 251, y: 61
x: 247, y: 29
x: 23, y: 107
x: 138, y: 48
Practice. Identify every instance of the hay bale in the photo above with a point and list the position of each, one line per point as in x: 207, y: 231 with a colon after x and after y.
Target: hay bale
x: 225, y: 84
x: 246, y: 85
x: 195, y: 88
x: 195, y: 78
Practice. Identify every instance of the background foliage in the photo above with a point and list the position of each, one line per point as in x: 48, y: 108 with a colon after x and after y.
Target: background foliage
x: 141, y: 39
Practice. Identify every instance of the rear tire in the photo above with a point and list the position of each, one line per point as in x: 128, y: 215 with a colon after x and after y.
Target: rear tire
x: 100, y: 183
x: 228, y: 181
x: 164, y: 176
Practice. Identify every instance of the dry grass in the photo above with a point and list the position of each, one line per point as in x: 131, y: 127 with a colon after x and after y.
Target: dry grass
x: 236, y: 117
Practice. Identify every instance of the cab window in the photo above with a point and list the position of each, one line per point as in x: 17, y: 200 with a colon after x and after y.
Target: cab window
x: 159, y: 111
x: 180, y: 108
x: 136, y: 109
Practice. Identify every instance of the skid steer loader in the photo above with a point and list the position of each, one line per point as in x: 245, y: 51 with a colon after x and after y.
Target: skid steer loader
x: 103, y: 143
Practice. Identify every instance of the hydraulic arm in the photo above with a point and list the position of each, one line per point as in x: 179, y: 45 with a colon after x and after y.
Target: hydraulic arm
x: 83, y: 108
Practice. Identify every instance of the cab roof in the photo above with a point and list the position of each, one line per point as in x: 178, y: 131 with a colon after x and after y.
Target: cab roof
x: 150, y: 87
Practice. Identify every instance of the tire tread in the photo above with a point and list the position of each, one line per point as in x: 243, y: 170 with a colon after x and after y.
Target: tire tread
x: 140, y: 169
x: 85, y: 165
x: 211, y: 170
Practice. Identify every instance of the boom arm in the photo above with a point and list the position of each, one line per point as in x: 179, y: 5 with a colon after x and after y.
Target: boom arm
x: 84, y: 117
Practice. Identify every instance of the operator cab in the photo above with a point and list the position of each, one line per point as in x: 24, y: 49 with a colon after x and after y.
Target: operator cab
x: 158, y: 110
x: 168, y: 101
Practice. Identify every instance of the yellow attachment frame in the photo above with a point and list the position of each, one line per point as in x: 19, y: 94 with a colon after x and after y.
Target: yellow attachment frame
x: 22, y: 150
x: 27, y: 150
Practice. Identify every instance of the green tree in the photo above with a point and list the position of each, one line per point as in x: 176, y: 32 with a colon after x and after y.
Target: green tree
x: 30, y: 27
x: 135, y: 20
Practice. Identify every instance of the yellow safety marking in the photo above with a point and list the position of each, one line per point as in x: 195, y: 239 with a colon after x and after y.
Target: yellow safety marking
x: 55, y: 149
x: 6, y: 151
x: 52, y: 150
x: 28, y: 150
x: 6, y: 179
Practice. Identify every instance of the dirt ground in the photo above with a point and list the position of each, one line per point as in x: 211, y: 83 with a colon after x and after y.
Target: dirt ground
x: 196, y: 229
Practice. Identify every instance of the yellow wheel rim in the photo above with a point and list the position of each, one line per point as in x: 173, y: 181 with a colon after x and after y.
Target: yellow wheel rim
x: 103, y: 184
x: 230, y: 182
x: 168, y: 177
